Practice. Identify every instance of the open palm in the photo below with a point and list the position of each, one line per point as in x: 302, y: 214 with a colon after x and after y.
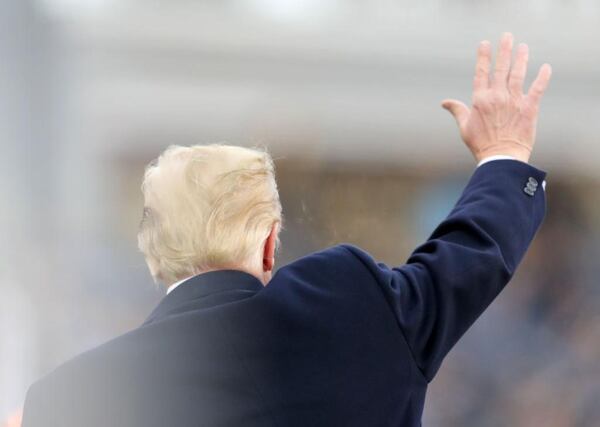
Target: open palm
x: 502, y: 119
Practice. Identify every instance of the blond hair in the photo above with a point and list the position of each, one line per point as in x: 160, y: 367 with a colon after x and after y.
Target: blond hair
x: 206, y: 207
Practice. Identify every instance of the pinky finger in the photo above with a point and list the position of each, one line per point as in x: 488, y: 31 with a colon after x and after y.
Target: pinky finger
x: 540, y: 84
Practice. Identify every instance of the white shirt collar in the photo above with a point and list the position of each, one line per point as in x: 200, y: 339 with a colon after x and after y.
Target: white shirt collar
x: 174, y: 285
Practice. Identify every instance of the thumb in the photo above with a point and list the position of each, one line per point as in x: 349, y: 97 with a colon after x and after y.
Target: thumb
x: 458, y: 109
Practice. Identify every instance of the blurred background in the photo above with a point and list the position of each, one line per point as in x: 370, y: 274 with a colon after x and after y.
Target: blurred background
x: 345, y: 94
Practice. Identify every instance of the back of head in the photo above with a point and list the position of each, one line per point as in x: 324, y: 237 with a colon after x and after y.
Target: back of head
x: 206, y: 207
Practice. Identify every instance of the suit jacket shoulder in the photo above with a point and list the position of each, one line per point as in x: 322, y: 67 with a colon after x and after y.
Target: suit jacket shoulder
x: 448, y: 281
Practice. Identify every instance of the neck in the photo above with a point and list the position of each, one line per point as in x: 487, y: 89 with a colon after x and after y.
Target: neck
x: 263, y: 276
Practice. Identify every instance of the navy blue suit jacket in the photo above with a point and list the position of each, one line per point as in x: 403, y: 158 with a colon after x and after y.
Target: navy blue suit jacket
x: 335, y: 339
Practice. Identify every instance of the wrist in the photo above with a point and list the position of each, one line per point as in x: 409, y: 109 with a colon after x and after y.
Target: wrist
x: 492, y: 158
x: 518, y: 153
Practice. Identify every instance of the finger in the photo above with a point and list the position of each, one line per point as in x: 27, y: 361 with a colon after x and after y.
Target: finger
x: 540, y: 84
x: 503, y: 58
x: 482, y: 67
x: 519, y: 70
x: 458, y: 109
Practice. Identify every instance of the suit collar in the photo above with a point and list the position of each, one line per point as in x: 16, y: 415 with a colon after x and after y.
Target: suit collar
x: 235, y: 283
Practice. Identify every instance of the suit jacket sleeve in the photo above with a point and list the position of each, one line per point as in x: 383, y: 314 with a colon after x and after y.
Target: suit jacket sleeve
x: 450, y: 280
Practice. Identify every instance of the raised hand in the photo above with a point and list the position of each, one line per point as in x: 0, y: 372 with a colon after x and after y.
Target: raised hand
x: 502, y: 119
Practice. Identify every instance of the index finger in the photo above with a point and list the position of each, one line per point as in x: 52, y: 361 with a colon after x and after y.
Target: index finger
x: 482, y: 67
